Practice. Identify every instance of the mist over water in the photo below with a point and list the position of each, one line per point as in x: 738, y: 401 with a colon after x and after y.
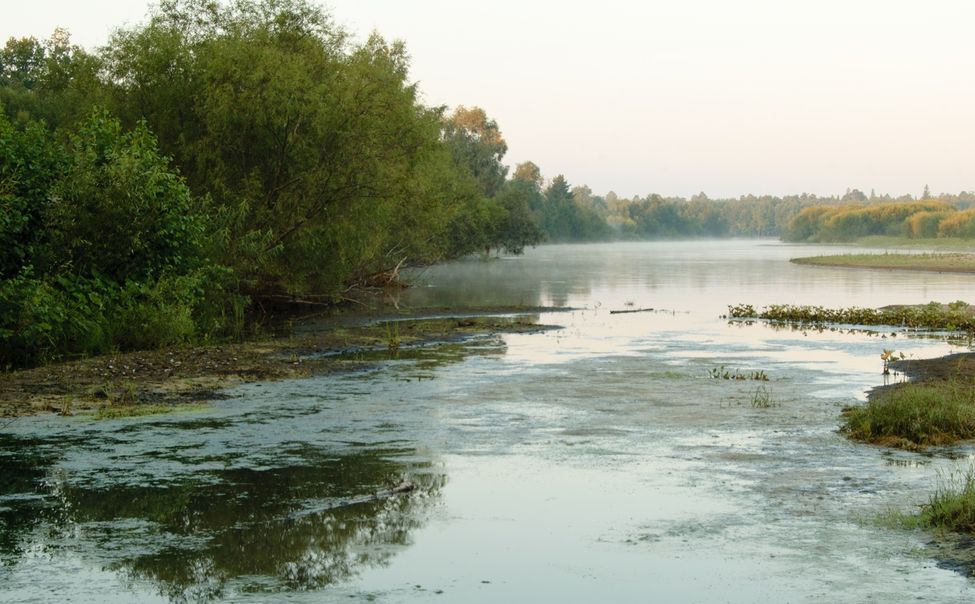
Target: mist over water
x: 600, y: 461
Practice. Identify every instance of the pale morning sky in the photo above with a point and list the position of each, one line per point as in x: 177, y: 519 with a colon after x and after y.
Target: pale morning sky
x: 725, y: 96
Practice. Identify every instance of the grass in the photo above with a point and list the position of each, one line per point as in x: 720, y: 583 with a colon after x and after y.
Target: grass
x: 951, y: 509
x: 916, y: 415
x: 940, y: 262
x: 952, y: 506
x: 762, y: 398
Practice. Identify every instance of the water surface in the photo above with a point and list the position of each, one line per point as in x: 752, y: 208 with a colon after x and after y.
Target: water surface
x: 598, y: 461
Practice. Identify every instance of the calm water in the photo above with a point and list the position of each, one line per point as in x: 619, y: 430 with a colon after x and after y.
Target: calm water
x: 597, y: 461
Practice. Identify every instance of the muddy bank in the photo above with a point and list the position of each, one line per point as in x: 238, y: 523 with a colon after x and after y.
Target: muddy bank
x: 154, y: 381
x: 952, y: 365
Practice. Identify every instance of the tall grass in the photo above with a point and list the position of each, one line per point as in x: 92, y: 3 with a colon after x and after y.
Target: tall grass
x: 916, y: 415
x: 952, y: 506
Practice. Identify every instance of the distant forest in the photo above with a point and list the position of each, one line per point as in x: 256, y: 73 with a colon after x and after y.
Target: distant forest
x: 221, y: 154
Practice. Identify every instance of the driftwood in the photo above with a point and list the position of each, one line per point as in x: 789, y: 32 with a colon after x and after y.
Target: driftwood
x: 623, y: 312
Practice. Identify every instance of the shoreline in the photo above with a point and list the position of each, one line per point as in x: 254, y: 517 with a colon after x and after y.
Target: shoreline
x: 159, y: 381
x: 941, y: 262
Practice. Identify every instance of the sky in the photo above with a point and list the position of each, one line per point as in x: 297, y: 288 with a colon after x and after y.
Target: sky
x: 728, y: 97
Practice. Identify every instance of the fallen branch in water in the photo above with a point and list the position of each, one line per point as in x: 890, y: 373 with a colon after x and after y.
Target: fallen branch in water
x: 622, y: 312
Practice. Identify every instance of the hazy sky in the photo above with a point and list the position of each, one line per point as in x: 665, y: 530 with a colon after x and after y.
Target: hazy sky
x: 722, y: 96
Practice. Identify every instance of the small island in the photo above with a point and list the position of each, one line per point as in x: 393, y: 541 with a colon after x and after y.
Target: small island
x: 954, y: 262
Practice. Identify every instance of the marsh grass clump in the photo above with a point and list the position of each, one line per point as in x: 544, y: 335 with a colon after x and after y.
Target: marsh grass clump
x: 762, y: 398
x: 952, y: 506
x: 916, y: 415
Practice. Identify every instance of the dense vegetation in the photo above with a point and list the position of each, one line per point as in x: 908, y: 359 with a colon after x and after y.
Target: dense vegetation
x: 913, y: 220
x: 955, y: 316
x: 221, y: 154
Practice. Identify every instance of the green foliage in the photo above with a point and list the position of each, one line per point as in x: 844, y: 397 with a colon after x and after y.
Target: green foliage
x: 914, y: 415
x: 101, y: 246
x: 726, y: 374
x: 30, y: 161
x: 118, y: 211
x: 762, y: 398
x: 518, y: 228
x: 952, y: 506
x: 851, y: 222
x: 952, y: 317
x: 477, y: 145
x: 54, y: 80
x: 313, y: 151
x: 563, y: 219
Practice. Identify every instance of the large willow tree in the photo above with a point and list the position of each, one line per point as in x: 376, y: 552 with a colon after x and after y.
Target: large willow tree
x: 319, y: 162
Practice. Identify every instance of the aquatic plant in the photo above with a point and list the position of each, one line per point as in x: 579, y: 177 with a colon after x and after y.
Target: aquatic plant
x: 952, y: 506
x: 737, y: 375
x: 392, y: 337
x: 914, y: 415
x: 887, y: 356
x: 762, y: 397
x: 956, y: 316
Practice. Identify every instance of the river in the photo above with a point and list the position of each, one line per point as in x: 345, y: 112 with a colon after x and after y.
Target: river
x: 598, y: 461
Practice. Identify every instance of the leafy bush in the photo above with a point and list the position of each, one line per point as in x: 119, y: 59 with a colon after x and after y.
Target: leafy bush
x: 100, y: 246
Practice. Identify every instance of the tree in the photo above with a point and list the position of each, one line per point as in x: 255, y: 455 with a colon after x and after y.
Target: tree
x: 478, y: 146
x: 313, y: 150
x: 117, y: 211
x: 528, y: 172
x: 54, y: 80
x: 518, y: 228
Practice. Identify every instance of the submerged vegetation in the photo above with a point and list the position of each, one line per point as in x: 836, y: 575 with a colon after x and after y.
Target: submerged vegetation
x: 955, y: 316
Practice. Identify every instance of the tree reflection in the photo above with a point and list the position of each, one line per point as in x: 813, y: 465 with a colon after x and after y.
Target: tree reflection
x: 299, y: 527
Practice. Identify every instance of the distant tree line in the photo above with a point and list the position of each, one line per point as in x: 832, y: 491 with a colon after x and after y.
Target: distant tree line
x: 913, y: 220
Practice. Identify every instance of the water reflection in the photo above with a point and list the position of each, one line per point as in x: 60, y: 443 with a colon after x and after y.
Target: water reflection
x: 23, y: 467
x: 290, y: 528
x: 663, y: 273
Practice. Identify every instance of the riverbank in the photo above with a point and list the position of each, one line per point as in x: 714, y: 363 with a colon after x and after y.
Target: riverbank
x: 940, y: 262
x: 935, y: 408
x: 158, y: 381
